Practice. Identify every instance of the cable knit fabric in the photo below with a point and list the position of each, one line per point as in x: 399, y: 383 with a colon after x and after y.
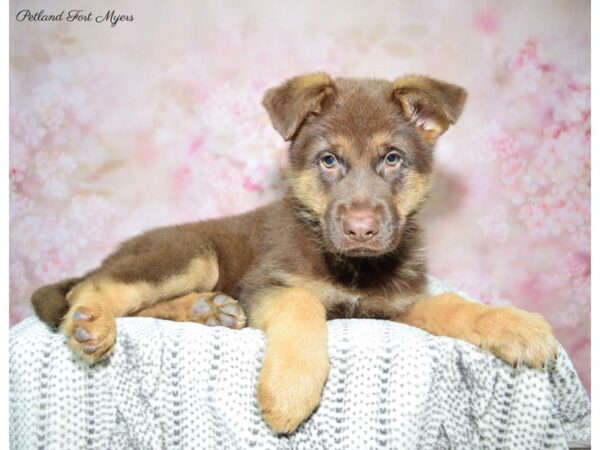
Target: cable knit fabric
x: 185, y: 385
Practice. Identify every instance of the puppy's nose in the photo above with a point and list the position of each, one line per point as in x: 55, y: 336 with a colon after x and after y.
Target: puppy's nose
x: 360, y: 225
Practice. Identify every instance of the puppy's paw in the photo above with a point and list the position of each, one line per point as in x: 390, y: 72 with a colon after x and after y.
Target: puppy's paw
x: 215, y: 309
x: 289, y: 390
x: 516, y: 336
x: 91, y: 330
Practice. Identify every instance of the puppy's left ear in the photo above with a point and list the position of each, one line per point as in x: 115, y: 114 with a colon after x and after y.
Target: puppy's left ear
x: 430, y: 104
x: 290, y: 103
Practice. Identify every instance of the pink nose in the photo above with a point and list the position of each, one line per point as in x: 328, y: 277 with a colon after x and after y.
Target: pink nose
x: 360, y: 225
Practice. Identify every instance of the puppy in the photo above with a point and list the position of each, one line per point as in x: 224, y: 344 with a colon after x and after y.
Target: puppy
x: 344, y: 242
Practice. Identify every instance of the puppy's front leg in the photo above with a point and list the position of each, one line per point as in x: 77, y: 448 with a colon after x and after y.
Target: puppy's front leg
x: 514, y: 335
x: 295, y: 364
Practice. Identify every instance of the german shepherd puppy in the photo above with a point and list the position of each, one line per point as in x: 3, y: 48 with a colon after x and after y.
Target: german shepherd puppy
x: 343, y: 243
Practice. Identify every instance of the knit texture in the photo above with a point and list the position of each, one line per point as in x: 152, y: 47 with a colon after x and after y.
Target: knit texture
x: 184, y: 385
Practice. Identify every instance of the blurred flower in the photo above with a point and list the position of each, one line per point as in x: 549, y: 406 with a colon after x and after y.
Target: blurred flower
x: 494, y: 224
x: 527, y: 66
x: 48, y: 103
x: 27, y: 128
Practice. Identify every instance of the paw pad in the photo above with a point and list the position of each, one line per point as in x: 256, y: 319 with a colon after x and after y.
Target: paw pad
x: 91, y: 331
x: 80, y: 316
x: 82, y: 335
x: 218, y: 310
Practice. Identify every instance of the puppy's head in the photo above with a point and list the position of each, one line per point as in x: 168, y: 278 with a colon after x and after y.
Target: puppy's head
x: 361, y: 152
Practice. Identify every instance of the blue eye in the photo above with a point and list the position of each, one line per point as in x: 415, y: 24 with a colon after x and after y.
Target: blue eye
x: 328, y: 161
x: 393, y: 158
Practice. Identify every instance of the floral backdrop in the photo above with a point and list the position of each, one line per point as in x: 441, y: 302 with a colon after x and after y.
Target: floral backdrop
x: 116, y: 129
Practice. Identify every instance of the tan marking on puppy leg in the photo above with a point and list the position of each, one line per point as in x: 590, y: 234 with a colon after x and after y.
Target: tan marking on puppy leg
x: 296, y: 363
x: 124, y: 298
x: 206, y: 308
x: 202, y: 274
x: 177, y: 309
x: 329, y: 295
x: 103, y: 299
x: 516, y: 336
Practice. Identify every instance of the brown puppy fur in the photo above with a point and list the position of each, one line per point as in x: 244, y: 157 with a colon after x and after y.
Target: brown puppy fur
x: 343, y: 243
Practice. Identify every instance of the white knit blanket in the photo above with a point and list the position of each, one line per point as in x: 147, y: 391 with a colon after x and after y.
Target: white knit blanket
x: 187, y: 386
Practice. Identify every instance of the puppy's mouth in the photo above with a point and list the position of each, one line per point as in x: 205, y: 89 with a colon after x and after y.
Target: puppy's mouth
x: 377, y: 246
x: 364, y: 252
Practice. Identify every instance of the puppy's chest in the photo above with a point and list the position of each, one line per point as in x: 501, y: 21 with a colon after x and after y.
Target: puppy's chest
x: 359, y: 294
x: 356, y: 307
x: 344, y: 302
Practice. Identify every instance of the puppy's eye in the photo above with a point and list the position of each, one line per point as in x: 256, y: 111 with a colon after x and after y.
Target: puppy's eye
x: 328, y: 161
x: 393, y: 158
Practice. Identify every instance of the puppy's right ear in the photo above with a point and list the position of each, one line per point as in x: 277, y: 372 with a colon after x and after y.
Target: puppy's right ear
x: 290, y: 103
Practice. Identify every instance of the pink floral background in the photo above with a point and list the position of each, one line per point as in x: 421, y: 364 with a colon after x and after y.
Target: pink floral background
x: 114, y: 130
